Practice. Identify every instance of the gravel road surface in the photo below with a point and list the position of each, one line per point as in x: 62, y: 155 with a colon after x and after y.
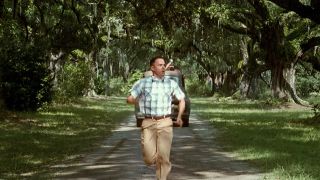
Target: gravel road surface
x: 195, y: 155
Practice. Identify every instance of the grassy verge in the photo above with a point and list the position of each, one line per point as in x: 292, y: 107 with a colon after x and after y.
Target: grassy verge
x: 31, y: 142
x: 273, y: 139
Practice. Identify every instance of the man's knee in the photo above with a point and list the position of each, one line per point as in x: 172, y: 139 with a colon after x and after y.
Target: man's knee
x: 149, y: 161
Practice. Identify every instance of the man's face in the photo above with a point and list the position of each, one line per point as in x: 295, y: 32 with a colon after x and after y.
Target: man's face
x: 158, y: 67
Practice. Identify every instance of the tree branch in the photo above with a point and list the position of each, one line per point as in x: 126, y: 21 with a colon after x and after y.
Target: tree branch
x: 310, y: 12
x: 311, y: 43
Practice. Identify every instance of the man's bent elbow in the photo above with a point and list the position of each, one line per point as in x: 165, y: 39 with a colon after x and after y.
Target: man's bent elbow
x: 182, y: 101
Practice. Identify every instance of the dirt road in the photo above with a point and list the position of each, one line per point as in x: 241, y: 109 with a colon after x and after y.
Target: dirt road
x: 195, y: 155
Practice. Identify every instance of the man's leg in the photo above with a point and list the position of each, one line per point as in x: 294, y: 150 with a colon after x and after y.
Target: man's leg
x: 164, y: 141
x: 149, y: 141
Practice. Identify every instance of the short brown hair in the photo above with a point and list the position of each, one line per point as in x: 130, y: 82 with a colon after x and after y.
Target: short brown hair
x: 152, y: 60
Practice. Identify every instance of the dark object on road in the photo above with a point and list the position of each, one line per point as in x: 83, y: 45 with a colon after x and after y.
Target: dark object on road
x: 177, y: 76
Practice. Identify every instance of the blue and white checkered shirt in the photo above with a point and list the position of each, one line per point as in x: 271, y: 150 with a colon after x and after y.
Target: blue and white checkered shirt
x: 155, y: 95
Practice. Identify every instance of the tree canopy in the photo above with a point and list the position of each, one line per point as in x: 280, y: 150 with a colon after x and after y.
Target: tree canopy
x: 238, y: 44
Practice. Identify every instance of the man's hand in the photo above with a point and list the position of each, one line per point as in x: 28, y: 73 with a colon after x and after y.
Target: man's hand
x: 131, y: 100
x: 179, y: 122
x: 182, y: 105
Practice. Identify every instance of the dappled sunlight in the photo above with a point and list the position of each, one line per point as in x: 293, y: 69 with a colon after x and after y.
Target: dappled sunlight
x: 262, y: 154
x: 63, y: 133
x: 119, y: 157
x: 106, y: 162
x: 56, y: 133
x: 57, y: 113
x: 252, y: 115
x: 242, y: 111
x: 127, y: 129
x: 102, y: 166
x: 66, y: 132
x: 96, y: 107
x: 187, y: 147
x: 306, y: 135
x: 269, y: 137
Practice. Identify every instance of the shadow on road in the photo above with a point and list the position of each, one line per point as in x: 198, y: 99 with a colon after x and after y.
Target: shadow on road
x: 194, y: 156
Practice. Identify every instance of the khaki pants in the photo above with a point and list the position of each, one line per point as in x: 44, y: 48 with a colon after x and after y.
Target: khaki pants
x: 156, y: 140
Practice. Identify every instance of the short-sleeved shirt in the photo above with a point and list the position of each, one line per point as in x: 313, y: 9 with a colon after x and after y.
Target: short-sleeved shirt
x: 155, y: 95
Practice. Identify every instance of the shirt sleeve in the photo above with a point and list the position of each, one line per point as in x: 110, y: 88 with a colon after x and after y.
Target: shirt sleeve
x: 136, y: 89
x: 177, y: 92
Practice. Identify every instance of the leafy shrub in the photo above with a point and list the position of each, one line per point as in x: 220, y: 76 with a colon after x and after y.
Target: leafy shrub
x: 115, y: 86
x: 316, y: 111
x: 25, y: 77
x: 314, y: 98
x: 194, y: 87
x: 73, y: 81
x: 308, y: 80
x: 132, y: 79
x: 100, y: 84
x: 273, y: 102
x: 306, y: 85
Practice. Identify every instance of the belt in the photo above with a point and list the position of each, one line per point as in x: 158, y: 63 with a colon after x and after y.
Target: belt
x: 157, y: 117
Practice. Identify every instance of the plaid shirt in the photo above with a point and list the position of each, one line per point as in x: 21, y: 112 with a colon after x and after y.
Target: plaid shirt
x: 155, y: 95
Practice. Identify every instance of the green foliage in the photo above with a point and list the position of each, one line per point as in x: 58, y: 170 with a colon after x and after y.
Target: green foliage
x: 132, y: 79
x: 269, y: 138
x: 115, y: 87
x: 31, y: 143
x: 195, y: 87
x: 273, y: 102
x: 316, y: 111
x: 194, y: 30
x: 220, y: 11
x: 25, y: 78
x: 73, y: 81
x: 314, y: 100
x: 306, y: 83
x: 100, y: 84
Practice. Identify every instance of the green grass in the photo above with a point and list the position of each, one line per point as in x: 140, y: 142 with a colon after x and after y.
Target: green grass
x: 32, y: 142
x: 272, y: 139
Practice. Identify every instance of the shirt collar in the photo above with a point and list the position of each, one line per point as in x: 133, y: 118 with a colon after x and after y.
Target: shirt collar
x: 155, y: 79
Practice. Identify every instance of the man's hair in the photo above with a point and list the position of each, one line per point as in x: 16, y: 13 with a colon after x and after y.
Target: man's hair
x: 155, y: 58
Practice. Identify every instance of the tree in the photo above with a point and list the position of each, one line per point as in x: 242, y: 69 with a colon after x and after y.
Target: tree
x: 306, y: 11
x: 264, y: 24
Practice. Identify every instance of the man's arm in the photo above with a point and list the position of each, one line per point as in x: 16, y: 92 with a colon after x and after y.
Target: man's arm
x: 182, y: 105
x: 134, y: 92
x: 131, y: 100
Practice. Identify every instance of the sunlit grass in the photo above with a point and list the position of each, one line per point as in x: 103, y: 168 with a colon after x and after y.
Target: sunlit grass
x: 57, y: 113
x: 273, y: 139
x: 32, y: 142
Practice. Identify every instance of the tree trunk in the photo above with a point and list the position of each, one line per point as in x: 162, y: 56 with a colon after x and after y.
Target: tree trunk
x: 249, y: 87
x: 276, y: 57
x: 1, y: 9
x: 106, y: 61
x: 280, y: 61
x: 219, y: 80
x: 249, y: 81
x: 290, y: 78
x: 55, y: 65
x: 93, y: 58
x: 1, y: 97
x: 278, y: 82
x: 230, y: 83
x: 213, y: 85
x: 14, y: 8
x: 245, y: 80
